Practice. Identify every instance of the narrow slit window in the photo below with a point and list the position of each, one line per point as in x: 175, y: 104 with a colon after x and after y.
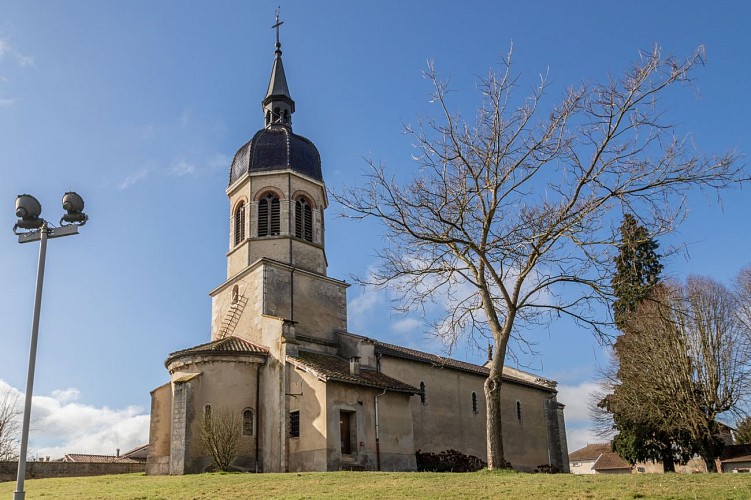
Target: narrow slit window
x: 248, y: 422
x: 423, y: 394
x: 474, y: 402
x: 207, y: 412
x: 519, y: 411
x: 294, y: 424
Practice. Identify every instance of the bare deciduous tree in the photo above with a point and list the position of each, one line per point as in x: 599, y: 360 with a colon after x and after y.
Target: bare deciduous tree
x: 687, y: 360
x: 509, y: 217
x: 9, y: 426
x: 220, y: 436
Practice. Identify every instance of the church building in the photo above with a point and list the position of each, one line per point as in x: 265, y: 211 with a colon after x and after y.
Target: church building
x: 311, y: 395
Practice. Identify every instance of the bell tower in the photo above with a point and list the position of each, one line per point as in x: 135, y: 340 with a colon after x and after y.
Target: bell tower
x: 276, y: 190
x: 276, y: 262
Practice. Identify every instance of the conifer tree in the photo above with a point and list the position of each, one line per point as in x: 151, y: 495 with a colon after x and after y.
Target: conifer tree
x: 637, y: 275
x: 743, y: 434
x: 638, y: 269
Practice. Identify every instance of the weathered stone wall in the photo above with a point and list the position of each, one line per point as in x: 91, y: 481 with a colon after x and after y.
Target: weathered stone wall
x: 448, y: 420
x: 40, y: 470
x: 160, y: 430
x: 284, y: 247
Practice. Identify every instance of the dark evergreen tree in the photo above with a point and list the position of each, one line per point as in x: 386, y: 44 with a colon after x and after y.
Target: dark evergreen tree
x: 638, y: 269
x: 743, y: 434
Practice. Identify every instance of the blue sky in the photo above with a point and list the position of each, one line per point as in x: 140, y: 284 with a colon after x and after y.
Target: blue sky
x: 140, y: 105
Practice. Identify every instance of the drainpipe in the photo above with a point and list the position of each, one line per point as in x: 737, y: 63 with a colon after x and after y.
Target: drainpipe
x: 258, y: 411
x: 378, y: 438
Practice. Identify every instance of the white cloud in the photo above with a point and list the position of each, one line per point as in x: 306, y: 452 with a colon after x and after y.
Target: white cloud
x: 134, y: 178
x: 360, y: 308
x: 182, y: 167
x: 406, y: 325
x: 64, y: 395
x: 6, y: 49
x: 59, y: 425
x: 579, y: 438
x: 577, y: 398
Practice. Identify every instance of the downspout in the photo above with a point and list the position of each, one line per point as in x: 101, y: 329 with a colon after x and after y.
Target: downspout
x: 258, y: 410
x: 377, y: 434
x: 292, y: 293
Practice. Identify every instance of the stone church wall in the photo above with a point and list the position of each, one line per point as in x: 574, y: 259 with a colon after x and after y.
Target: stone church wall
x: 450, y: 420
x: 159, y: 430
x: 396, y: 432
x: 308, y: 451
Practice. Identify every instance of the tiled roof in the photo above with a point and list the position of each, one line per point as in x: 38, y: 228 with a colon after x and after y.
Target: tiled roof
x: 736, y: 453
x: 84, y: 457
x: 138, y: 454
x: 336, y: 369
x: 228, y: 345
x: 509, y: 374
x: 610, y: 461
x: 589, y: 452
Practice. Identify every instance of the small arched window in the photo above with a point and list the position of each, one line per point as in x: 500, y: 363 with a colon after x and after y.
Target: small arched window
x: 423, y: 394
x: 277, y: 115
x: 286, y: 116
x: 248, y: 429
x: 240, y: 223
x: 474, y: 402
x: 207, y: 412
x: 268, y: 215
x: 303, y: 220
x: 235, y: 294
x: 519, y: 410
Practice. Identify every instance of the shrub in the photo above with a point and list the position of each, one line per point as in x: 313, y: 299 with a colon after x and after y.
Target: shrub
x: 448, y: 461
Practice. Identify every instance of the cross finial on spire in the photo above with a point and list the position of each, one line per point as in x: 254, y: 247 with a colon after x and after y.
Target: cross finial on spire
x: 276, y: 26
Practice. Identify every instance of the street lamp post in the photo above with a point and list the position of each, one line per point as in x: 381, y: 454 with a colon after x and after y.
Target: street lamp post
x: 28, y: 211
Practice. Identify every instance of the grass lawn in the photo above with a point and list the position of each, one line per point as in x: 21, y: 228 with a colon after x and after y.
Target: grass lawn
x: 389, y: 485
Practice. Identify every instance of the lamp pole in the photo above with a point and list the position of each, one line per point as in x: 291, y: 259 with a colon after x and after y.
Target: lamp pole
x: 20, y: 494
x: 28, y: 211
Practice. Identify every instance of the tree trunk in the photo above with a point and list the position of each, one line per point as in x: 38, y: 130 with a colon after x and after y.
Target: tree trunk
x: 668, y: 465
x: 493, y: 425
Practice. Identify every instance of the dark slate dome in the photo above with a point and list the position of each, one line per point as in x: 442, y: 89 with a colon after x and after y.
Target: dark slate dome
x: 277, y: 148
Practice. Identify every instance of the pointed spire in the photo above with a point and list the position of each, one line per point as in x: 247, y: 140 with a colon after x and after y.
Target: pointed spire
x: 278, y: 105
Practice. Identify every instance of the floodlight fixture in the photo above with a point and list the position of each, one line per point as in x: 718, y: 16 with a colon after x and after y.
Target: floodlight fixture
x: 73, y: 204
x: 28, y: 211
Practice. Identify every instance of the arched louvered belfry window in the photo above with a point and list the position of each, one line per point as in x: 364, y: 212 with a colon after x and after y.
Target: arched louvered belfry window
x: 268, y: 215
x: 240, y: 223
x: 303, y: 219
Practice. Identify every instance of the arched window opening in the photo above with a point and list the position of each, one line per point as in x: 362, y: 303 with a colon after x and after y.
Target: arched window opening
x: 277, y: 115
x: 248, y: 422
x: 423, y: 394
x: 474, y: 402
x: 519, y: 410
x: 286, y: 116
x: 235, y: 294
x: 240, y: 223
x: 207, y: 412
x: 303, y: 220
x: 268, y: 216
x: 268, y: 117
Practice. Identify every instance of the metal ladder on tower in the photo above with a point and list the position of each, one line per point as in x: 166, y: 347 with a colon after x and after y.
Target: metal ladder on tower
x: 232, y: 317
